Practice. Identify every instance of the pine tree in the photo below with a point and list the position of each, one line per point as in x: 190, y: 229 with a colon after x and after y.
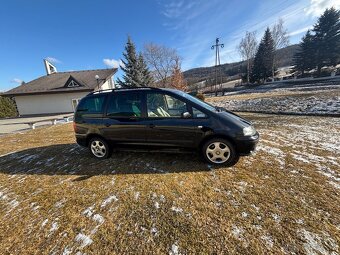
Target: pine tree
x: 144, y: 72
x: 131, y: 78
x: 327, y: 39
x: 263, y: 62
x: 304, y: 59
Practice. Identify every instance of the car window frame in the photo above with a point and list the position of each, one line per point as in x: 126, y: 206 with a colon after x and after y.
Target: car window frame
x: 168, y: 94
x: 207, y: 116
x: 116, y: 93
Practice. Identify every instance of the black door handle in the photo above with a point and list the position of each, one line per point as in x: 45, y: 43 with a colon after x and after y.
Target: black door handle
x: 151, y: 125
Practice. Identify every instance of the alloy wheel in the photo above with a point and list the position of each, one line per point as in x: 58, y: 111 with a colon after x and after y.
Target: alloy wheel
x: 218, y: 152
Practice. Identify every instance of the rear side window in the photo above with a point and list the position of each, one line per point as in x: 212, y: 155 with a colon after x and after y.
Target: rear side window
x: 93, y: 104
x: 125, y: 105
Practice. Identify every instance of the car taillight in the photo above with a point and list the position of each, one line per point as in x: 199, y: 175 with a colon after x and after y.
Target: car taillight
x: 74, y: 126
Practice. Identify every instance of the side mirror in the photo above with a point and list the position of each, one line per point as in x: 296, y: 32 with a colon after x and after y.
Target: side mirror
x: 186, y: 115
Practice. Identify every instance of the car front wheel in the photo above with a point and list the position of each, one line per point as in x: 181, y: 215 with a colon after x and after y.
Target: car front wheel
x: 99, y: 148
x: 220, y: 151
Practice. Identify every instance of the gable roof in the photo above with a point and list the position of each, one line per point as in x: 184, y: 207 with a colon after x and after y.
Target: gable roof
x: 57, y: 82
x: 72, y: 79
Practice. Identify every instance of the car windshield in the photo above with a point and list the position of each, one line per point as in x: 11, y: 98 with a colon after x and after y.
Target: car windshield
x: 198, y: 101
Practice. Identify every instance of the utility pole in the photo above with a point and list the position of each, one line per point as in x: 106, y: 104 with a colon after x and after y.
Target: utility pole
x: 217, y: 46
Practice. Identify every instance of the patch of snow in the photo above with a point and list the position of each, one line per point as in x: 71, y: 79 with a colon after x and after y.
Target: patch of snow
x: 44, y: 223
x: 244, y: 214
x: 83, y: 239
x: 60, y: 203
x: 137, y: 194
x: 67, y: 251
x: 14, y: 203
x: 242, y: 186
x: 276, y: 217
x: 109, y: 200
x: 268, y: 240
x: 255, y: 207
x: 174, y: 249
x: 154, y: 231
x: 162, y: 198
x: 54, y: 227
x: 300, y: 221
x: 176, y: 209
x: 157, y: 205
x: 237, y: 232
x: 316, y: 244
x: 98, y: 218
x: 88, y: 211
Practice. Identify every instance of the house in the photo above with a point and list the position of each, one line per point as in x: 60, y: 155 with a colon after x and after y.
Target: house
x: 59, y: 92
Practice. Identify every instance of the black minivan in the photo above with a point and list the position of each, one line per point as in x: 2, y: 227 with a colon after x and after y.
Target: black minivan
x: 162, y: 120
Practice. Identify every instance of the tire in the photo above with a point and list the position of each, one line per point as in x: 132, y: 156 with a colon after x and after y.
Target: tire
x: 99, y: 148
x: 219, y: 151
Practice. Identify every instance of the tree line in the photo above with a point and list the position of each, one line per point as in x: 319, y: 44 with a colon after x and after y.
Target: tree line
x: 319, y: 47
x: 155, y: 66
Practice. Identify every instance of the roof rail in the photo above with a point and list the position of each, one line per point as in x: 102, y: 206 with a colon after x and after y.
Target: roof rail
x: 124, y: 88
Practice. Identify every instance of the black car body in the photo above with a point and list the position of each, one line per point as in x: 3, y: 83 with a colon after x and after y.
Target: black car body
x: 152, y: 118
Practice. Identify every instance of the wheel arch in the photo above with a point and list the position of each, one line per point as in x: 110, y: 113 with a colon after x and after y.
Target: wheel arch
x: 90, y: 136
x: 213, y: 136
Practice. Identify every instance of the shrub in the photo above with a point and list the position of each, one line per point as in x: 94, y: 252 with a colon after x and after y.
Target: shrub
x: 200, y: 96
x: 7, y: 108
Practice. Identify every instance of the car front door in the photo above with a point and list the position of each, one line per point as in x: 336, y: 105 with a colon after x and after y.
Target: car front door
x: 124, y: 118
x: 165, y: 121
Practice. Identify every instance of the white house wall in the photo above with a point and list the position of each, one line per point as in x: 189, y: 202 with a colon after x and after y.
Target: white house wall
x: 47, y: 103
x: 107, y: 85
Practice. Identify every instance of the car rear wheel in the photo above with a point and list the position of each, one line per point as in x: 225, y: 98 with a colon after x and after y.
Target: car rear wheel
x: 99, y: 148
x: 220, y: 151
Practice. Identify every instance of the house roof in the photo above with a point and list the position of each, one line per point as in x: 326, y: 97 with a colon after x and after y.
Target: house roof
x: 57, y: 82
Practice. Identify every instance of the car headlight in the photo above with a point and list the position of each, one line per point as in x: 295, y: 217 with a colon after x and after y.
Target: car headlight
x: 249, y: 131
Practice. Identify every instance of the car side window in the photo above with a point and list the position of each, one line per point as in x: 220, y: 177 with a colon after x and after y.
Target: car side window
x: 125, y: 105
x: 93, y: 104
x: 197, y: 114
x: 164, y: 106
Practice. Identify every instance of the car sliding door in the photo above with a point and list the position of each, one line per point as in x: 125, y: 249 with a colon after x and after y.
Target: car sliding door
x: 123, y: 120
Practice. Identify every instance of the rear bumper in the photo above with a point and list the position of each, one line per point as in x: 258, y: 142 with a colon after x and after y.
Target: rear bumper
x: 246, y: 145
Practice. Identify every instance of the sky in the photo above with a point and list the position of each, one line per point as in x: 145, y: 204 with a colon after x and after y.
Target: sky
x: 81, y: 35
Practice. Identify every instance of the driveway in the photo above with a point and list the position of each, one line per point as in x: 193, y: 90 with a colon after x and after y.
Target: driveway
x: 11, y: 125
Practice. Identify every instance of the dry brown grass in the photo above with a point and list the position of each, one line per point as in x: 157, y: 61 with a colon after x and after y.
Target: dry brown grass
x: 284, y: 199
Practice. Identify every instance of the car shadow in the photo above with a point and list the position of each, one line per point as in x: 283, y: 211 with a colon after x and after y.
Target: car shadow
x: 72, y: 159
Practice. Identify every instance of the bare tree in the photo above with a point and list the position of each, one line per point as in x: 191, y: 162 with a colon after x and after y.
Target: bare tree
x: 162, y: 61
x: 247, y: 49
x: 177, y: 79
x: 280, y: 38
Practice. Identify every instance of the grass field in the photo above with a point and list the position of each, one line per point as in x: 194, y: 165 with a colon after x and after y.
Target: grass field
x: 285, y: 199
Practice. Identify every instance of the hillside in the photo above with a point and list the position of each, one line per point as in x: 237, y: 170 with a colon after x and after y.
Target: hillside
x: 285, y: 57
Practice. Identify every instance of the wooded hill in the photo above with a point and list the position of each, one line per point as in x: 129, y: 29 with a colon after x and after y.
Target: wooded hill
x: 284, y: 56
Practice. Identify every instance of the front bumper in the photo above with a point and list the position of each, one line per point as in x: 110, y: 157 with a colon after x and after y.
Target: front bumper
x: 246, y: 145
